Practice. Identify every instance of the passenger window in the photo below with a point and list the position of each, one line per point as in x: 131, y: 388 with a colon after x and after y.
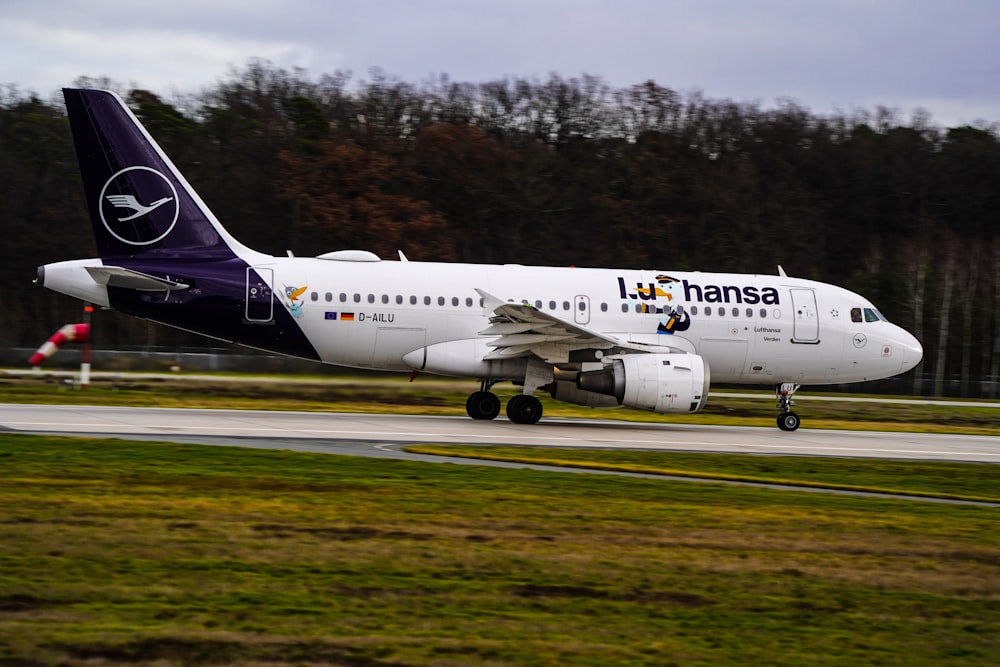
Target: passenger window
x: 763, y: 313
x: 565, y: 305
x: 427, y: 301
x: 552, y: 305
x: 708, y: 310
x: 371, y: 298
x: 440, y: 300
x: 604, y: 307
x: 694, y: 310
x: 638, y: 307
x: 399, y: 298
x: 736, y: 312
x: 582, y: 306
x: 314, y: 296
x: 454, y: 301
x: 749, y: 313
x: 329, y: 297
x: 855, y: 314
x: 624, y: 307
x: 343, y: 297
x: 413, y: 300
x: 357, y: 298
x: 538, y: 304
x: 468, y: 302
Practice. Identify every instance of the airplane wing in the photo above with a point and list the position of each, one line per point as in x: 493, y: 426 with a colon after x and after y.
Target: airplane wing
x: 116, y: 276
x: 521, y: 330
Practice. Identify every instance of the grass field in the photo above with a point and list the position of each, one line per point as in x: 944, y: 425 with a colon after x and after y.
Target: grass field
x: 930, y: 479
x: 114, y: 552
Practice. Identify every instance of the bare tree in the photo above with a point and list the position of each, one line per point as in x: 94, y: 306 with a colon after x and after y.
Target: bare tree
x: 949, y: 271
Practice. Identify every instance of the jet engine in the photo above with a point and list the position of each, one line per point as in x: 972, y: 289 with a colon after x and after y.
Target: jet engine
x: 664, y: 383
x: 568, y: 392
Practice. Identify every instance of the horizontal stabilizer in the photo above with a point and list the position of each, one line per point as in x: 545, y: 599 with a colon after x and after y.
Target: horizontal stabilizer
x: 116, y: 276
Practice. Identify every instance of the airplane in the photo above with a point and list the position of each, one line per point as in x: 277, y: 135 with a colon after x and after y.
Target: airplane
x: 645, y: 339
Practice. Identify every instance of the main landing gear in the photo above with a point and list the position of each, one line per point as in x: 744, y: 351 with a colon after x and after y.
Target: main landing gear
x: 521, y: 409
x: 787, y: 420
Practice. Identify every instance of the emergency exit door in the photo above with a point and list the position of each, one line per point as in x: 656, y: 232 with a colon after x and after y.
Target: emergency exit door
x: 805, y: 328
x: 259, y: 298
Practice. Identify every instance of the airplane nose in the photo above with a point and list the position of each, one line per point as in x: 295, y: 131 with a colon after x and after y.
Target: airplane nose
x: 913, y: 351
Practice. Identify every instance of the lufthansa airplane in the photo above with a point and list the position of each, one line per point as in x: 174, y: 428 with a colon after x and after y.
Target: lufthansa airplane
x: 645, y: 339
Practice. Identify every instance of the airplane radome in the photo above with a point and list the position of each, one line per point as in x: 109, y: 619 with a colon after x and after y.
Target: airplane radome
x: 650, y: 340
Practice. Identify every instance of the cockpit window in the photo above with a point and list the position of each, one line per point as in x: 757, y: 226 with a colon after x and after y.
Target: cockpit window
x: 867, y: 315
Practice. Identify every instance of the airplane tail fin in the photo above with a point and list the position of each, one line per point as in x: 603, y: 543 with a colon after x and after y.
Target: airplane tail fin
x: 139, y: 203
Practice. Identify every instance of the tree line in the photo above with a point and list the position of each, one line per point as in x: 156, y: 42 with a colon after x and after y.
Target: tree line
x: 563, y: 171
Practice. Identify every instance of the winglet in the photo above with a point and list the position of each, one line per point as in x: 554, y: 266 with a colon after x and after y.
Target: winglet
x: 490, y: 302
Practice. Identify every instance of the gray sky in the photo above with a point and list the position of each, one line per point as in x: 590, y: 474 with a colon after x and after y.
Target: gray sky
x: 828, y: 55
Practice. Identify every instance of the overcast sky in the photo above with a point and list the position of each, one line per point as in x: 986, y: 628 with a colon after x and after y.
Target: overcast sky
x: 828, y: 55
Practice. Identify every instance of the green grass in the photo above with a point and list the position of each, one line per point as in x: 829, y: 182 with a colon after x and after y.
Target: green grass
x: 430, y: 395
x: 114, y: 552
x: 934, y: 479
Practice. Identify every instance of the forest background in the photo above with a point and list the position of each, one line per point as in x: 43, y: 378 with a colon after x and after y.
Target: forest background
x: 554, y: 172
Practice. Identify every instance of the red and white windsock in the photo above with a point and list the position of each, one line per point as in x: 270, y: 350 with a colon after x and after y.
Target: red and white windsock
x: 71, y: 333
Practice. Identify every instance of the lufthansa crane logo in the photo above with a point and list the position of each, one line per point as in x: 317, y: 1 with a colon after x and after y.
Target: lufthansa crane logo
x: 138, y: 206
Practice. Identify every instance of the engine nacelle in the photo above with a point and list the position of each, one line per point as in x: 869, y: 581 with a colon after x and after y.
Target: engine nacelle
x: 664, y: 383
x: 568, y: 392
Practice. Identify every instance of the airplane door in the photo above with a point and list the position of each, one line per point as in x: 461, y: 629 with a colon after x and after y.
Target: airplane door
x: 259, y: 299
x: 806, y: 323
x: 581, y: 309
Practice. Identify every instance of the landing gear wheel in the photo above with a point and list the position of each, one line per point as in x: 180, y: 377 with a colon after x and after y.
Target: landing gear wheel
x: 483, y: 405
x: 788, y: 421
x: 524, y: 409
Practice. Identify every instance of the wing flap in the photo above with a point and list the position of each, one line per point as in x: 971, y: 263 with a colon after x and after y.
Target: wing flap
x: 507, y: 328
x: 523, y: 329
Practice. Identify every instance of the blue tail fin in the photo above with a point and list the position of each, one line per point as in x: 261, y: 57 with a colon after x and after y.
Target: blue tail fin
x: 139, y: 203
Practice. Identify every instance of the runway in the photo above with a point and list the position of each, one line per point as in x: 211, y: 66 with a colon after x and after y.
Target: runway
x: 383, y: 435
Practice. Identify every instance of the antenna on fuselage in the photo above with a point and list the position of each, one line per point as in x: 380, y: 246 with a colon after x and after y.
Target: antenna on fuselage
x: 781, y: 272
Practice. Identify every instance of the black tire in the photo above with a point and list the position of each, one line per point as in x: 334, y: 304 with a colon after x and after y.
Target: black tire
x: 788, y: 421
x: 483, y: 405
x: 523, y: 409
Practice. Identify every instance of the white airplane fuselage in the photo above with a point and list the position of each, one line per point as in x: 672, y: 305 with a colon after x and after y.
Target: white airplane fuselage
x: 751, y: 329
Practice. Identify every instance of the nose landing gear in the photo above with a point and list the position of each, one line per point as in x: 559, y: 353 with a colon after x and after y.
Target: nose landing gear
x: 787, y: 420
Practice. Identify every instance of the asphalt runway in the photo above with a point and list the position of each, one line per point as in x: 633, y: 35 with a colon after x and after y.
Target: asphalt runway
x: 383, y: 434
